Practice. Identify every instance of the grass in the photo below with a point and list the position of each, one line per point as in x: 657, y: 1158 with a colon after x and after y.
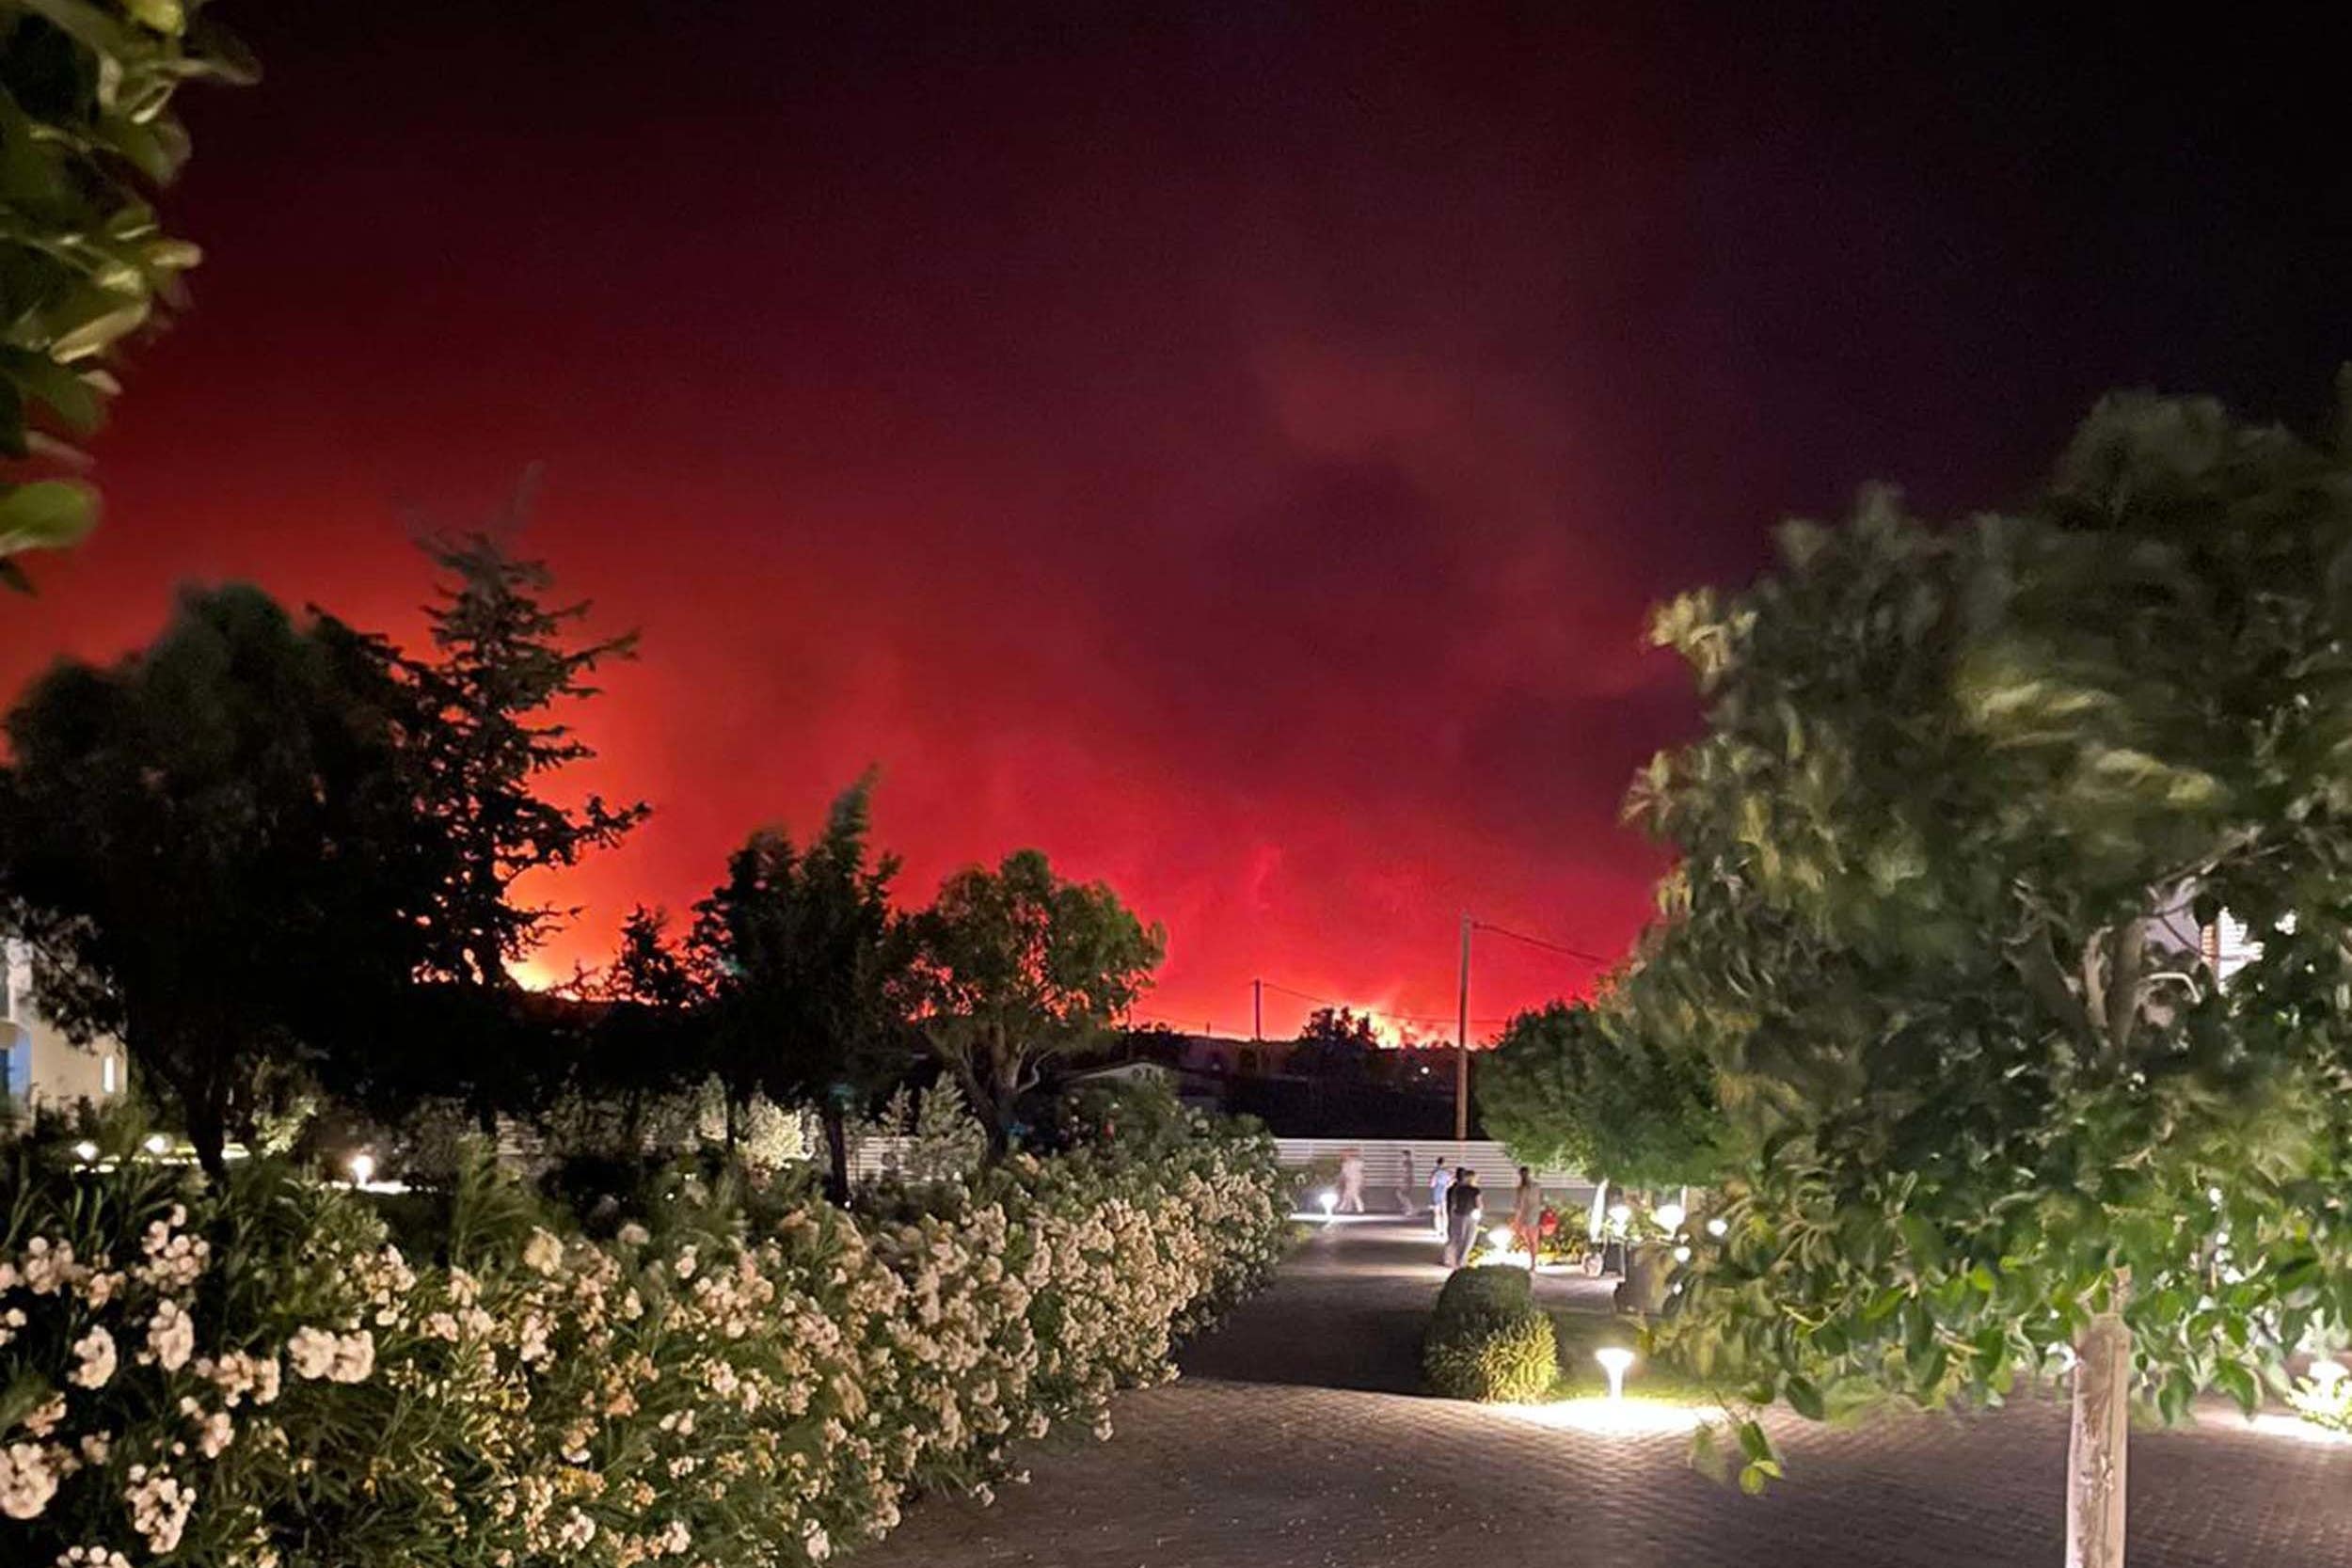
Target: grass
x: 1580, y: 1334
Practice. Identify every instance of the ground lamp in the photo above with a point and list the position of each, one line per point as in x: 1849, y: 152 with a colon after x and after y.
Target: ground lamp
x: 1670, y: 1217
x: 1614, y: 1360
x: 1329, y: 1201
x: 86, y: 1151
x: 362, y: 1168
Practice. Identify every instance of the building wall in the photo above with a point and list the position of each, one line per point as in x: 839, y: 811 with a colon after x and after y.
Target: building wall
x: 43, y: 1067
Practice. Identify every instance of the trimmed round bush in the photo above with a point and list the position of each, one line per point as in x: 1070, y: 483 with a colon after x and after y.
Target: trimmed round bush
x: 1488, y: 1340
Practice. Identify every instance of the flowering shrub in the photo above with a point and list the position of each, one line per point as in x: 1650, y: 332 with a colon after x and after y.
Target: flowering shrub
x: 256, y: 1376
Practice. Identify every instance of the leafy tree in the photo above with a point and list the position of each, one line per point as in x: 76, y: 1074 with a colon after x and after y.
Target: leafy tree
x: 212, y: 847
x: 654, y: 1024
x: 1573, y: 1087
x: 807, y: 965
x: 1336, y: 1042
x: 1016, y: 967
x: 86, y: 130
x: 1965, y: 800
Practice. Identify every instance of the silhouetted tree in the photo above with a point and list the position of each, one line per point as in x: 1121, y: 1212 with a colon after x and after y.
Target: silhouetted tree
x: 505, y: 665
x: 807, y: 966
x: 212, y: 847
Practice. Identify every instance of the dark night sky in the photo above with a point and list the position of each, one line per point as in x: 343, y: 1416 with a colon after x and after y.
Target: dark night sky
x: 1231, y: 452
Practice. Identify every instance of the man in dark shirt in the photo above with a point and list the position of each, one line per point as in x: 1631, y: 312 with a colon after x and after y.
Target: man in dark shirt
x: 1462, y: 1209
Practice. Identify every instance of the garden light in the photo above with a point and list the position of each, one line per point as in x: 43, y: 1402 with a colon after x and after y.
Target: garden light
x: 1614, y: 1360
x: 156, y: 1143
x: 86, y: 1151
x: 362, y: 1168
x: 1718, y: 1225
x: 1669, y: 1216
x: 1499, y: 1238
x: 2325, y: 1373
x: 1682, y: 1255
x: 1328, y: 1201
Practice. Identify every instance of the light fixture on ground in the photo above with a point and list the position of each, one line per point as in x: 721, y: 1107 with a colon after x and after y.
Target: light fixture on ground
x: 1670, y: 1217
x: 156, y: 1143
x: 2325, y: 1373
x: 362, y: 1168
x: 1328, y: 1201
x: 1718, y: 1225
x: 86, y: 1151
x: 1499, y: 1238
x: 1614, y: 1360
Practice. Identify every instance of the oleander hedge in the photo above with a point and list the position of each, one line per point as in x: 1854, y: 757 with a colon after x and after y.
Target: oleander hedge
x: 261, y: 1376
x: 1488, y: 1340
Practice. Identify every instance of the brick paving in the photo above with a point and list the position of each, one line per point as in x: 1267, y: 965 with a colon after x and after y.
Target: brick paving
x: 1295, y: 1441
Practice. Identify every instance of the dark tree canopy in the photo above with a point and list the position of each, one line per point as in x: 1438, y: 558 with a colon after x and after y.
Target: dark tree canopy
x: 808, y: 966
x: 507, y: 664
x: 212, y: 847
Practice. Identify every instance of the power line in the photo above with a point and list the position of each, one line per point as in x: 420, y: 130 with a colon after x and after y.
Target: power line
x: 1538, y: 942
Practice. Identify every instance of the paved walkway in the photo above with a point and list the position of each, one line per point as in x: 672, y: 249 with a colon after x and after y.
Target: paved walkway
x: 1295, y: 1441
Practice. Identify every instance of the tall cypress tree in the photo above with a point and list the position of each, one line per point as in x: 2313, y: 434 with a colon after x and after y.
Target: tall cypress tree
x: 506, y: 663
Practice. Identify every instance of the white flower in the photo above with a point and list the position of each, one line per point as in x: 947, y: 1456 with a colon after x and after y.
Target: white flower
x: 171, y: 1336
x: 95, y: 1354
x: 311, y: 1351
x: 634, y: 1234
x: 92, y: 1557
x: 542, y: 1251
x: 336, y: 1358
x: 577, y: 1533
x: 29, y: 1473
x: 815, y: 1541
x: 159, y: 1508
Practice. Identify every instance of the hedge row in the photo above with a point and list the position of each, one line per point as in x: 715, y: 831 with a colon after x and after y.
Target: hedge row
x: 255, y: 1375
x: 1488, y: 1340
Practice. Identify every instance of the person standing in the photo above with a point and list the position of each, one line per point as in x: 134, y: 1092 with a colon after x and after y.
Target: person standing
x: 1352, y: 1182
x: 1462, y: 1209
x: 1440, y: 1180
x: 1527, y: 1213
x: 1405, y: 1195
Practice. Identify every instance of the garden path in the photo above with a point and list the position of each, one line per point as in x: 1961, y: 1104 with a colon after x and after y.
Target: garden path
x: 1295, y: 1440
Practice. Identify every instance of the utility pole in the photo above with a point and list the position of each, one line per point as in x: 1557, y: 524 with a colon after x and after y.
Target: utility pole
x: 1257, y: 1009
x: 1461, y: 1046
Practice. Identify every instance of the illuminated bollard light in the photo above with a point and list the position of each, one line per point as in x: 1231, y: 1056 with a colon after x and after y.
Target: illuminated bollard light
x: 1614, y: 1360
x: 362, y: 1168
x: 1328, y: 1201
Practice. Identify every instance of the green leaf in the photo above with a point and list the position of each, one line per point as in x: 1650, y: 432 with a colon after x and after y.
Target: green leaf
x: 48, y: 515
x: 1754, y: 1442
x: 1804, y: 1398
x: 2240, y: 1384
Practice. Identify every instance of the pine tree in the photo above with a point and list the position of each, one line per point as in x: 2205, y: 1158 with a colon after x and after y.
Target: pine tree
x: 504, y: 666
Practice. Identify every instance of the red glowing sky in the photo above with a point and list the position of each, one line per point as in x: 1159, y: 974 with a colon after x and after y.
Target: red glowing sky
x: 1233, y: 455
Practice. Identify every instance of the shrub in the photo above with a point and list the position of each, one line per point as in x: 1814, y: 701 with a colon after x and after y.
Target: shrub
x: 1488, y: 1340
x: 253, y: 1373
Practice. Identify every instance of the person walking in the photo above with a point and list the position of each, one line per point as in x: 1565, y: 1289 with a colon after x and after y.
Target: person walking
x: 1352, y: 1182
x: 1405, y: 1195
x: 1440, y: 1180
x: 1527, y: 1213
x: 1462, y: 1209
